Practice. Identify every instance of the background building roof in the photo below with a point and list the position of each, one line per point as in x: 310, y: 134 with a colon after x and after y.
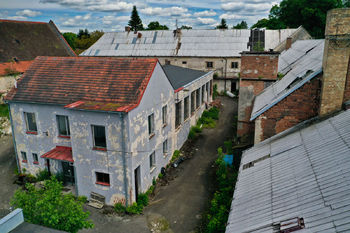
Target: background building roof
x: 299, y: 64
x: 305, y: 174
x: 24, y: 41
x: 179, y: 76
x: 93, y: 83
x: 187, y: 43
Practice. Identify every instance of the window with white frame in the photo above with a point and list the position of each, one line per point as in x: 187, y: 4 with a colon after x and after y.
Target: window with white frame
x: 99, y: 136
x: 63, y: 125
x: 151, y: 124
x: 164, y: 114
x: 30, y: 122
x: 152, y: 160
x: 35, y: 158
x: 165, y: 147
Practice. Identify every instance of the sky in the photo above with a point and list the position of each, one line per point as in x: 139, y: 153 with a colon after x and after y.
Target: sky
x: 113, y: 15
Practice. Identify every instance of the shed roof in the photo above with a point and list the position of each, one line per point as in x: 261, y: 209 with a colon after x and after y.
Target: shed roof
x: 92, y: 83
x: 188, y: 43
x: 179, y: 76
x: 60, y: 153
x: 26, y: 40
x: 299, y: 64
x: 307, y: 175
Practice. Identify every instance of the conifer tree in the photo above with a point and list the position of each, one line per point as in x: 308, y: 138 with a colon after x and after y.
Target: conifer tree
x: 135, y: 21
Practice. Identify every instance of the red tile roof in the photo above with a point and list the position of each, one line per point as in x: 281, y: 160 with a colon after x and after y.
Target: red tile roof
x: 92, y: 83
x: 20, y: 67
x: 60, y: 153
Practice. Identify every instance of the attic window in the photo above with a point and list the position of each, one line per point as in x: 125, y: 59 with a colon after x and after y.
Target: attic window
x: 291, y: 225
x: 252, y: 163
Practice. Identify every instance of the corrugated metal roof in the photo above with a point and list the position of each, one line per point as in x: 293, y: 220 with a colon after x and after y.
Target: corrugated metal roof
x: 300, y: 63
x: 179, y: 76
x: 194, y: 43
x: 307, y: 175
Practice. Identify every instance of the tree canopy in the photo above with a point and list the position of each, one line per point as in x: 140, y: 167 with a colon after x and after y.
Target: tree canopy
x: 83, y: 40
x: 311, y: 14
x: 49, y: 207
x: 135, y: 21
x: 241, y: 25
x: 222, y: 24
x: 155, y: 25
x: 185, y: 27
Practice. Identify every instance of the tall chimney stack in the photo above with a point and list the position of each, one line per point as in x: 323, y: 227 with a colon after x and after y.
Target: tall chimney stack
x: 288, y: 43
x: 335, y: 60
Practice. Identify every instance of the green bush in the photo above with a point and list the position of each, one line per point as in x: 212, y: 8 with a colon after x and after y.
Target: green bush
x: 142, y: 199
x: 134, y: 209
x: 176, y: 155
x: 49, y: 207
x: 228, y: 147
x: 42, y: 175
x: 160, y: 176
x: 4, y: 111
x: 119, y: 208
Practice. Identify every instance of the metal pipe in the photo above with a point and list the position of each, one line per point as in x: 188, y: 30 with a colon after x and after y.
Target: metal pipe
x: 14, y: 141
x: 124, y: 159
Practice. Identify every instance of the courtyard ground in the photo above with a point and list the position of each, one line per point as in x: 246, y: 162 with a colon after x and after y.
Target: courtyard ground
x: 178, y: 206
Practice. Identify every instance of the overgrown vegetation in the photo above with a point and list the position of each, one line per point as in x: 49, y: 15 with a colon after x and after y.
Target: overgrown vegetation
x: 9, y: 71
x: 280, y: 76
x: 207, y: 120
x: 83, y: 40
x: 176, y: 155
x: 136, y: 207
x: 4, y: 111
x: 215, y: 91
x: 49, y: 207
x: 226, y: 177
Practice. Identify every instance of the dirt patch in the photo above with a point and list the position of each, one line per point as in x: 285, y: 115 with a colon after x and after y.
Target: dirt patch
x: 158, y: 224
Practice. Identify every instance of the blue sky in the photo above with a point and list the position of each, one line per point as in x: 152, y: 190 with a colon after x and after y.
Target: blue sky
x: 113, y: 15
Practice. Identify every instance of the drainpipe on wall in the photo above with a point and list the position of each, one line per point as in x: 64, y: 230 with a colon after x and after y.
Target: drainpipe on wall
x: 14, y: 141
x: 225, y: 71
x: 124, y: 160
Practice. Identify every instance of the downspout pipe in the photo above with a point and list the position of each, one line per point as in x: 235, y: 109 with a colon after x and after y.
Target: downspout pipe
x: 13, y: 138
x: 126, y: 187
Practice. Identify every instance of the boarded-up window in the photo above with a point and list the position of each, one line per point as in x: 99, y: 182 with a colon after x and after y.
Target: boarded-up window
x: 186, y: 107
x: 198, y: 98
x: 177, y: 114
x: 30, y: 122
x: 193, y: 103
x: 99, y: 136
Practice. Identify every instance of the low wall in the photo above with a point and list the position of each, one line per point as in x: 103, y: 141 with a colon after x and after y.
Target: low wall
x: 11, y: 221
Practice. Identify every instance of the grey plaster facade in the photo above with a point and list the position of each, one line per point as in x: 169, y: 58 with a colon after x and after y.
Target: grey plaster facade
x: 128, y: 142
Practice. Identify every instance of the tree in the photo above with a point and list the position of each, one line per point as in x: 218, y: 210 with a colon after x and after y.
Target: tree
x: 70, y: 37
x: 83, y: 33
x: 135, y: 21
x: 222, y: 25
x: 49, y: 207
x: 155, y: 25
x: 186, y: 27
x: 86, y: 40
x: 241, y: 25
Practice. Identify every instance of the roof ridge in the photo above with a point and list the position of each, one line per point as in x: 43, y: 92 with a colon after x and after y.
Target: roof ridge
x: 20, y: 21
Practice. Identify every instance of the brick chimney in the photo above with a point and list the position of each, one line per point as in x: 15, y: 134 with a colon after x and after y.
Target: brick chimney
x: 288, y: 43
x: 258, y: 70
x: 335, y: 60
x: 127, y: 29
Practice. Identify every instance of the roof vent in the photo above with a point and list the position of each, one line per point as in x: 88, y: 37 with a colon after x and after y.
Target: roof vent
x: 291, y: 225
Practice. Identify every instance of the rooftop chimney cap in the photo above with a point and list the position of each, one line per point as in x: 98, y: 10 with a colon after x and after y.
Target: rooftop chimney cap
x: 288, y: 43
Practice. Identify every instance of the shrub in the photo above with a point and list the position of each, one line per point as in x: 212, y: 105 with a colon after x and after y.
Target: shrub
x: 192, y: 135
x: 160, y: 176
x: 175, y: 155
x: 228, y: 147
x: 119, y: 208
x: 142, y: 199
x: 42, y: 175
x: 134, y: 209
x: 50, y: 208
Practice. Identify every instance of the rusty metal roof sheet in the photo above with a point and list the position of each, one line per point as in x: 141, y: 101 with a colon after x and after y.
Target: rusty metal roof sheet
x: 307, y: 175
x: 189, y: 43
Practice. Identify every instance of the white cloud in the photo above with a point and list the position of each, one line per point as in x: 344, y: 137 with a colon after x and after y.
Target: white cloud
x: 205, y: 13
x: 169, y: 11
x: 17, y: 17
x: 206, y: 21
x: 113, y: 19
x: 28, y: 13
x: 93, y: 5
x: 240, y: 6
x: 78, y: 20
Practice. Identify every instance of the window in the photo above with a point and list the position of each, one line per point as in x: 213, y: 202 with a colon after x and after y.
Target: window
x: 207, y: 89
x: 24, y: 157
x: 186, y: 108
x: 193, y: 99
x: 234, y: 65
x: 210, y: 64
x: 102, y: 178
x: 164, y: 114
x: 184, y: 62
x: 177, y: 114
x: 63, y: 125
x: 167, y: 62
x: 152, y: 161
x: 35, y: 158
x: 165, y: 146
x: 99, y: 135
x: 198, y: 98
x: 203, y: 94
x: 151, y: 124
x: 30, y: 122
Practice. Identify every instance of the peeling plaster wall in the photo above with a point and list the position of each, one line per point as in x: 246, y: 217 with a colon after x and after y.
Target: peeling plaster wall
x: 158, y: 93
x: 181, y: 133
x: 221, y: 84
